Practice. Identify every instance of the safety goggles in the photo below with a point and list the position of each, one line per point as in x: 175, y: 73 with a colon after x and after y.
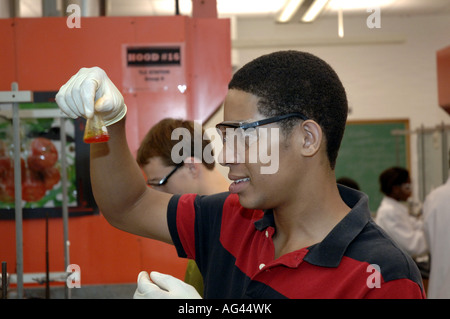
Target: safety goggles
x: 243, y: 130
x: 164, y: 180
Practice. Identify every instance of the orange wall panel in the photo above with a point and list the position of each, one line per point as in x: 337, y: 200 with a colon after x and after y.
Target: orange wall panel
x: 209, y: 36
x: 48, y: 52
x: 443, y: 74
x: 7, y: 54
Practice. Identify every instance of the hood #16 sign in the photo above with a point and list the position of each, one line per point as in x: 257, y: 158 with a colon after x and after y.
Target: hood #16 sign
x: 153, y: 68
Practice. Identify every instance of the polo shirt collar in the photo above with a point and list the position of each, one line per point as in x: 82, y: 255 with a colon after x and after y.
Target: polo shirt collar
x: 329, y: 252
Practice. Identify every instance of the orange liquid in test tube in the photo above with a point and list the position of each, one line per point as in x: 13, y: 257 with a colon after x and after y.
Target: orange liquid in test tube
x: 95, y: 131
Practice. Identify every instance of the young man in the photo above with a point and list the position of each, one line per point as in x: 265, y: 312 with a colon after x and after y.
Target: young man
x: 288, y: 234
x: 193, y: 175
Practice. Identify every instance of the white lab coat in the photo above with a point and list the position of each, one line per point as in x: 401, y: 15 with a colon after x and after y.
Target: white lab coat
x: 393, y: 216
x: 436, y: 211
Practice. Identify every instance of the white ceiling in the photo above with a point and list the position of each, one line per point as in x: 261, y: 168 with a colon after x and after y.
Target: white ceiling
x: 404, y: 7
x: 267, y: 8
x: 242, y: 8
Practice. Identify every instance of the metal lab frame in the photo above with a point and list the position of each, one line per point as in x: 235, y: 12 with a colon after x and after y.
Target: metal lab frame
x: 14, y: 97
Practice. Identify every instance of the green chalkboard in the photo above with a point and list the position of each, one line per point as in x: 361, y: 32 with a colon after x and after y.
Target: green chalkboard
x: 368, y: 148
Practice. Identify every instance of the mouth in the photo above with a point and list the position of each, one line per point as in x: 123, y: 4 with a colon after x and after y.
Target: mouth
x: 237, y: 181
x: 238, y: 184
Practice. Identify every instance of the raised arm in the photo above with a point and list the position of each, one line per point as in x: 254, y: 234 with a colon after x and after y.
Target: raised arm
x: 117, y: 183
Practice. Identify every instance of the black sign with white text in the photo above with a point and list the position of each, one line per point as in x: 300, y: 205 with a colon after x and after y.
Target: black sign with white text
x: 153, y: 56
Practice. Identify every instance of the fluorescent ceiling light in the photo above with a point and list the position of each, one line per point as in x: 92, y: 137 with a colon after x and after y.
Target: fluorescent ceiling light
x: 289, y: 9
x: 350, y: 5
x: 341, y: 23
x: 224, y: 7
x: 314, y: 10
x: 248, y: 7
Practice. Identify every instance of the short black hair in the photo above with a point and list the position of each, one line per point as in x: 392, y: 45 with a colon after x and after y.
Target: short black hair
x: 294, y: 81
x: 391, y: 177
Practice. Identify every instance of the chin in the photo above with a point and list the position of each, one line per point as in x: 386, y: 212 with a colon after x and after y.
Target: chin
x: 251, y: 201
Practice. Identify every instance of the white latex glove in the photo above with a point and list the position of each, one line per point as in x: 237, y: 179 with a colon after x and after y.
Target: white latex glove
x: 162, y: 286
x: 89, y: 87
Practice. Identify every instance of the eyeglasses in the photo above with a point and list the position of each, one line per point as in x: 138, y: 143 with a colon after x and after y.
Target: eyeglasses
x: 164, y: 180
x: 244, y: 126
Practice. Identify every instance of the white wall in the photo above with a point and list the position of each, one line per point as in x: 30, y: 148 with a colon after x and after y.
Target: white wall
x: 389, y: 73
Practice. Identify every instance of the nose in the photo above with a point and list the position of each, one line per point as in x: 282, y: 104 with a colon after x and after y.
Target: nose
x: 232, y: 152
x: 226, y: 157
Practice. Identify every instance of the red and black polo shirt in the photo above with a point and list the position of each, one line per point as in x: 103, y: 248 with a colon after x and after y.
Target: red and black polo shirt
x: 234, y: 251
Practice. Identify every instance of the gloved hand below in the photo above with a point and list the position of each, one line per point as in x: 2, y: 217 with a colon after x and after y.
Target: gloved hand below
x: 162, y: 286
x: 90, y: 88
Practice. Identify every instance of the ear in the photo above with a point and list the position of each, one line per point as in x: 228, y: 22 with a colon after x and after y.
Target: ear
x: 312, y: 138
x: 193, y: 166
